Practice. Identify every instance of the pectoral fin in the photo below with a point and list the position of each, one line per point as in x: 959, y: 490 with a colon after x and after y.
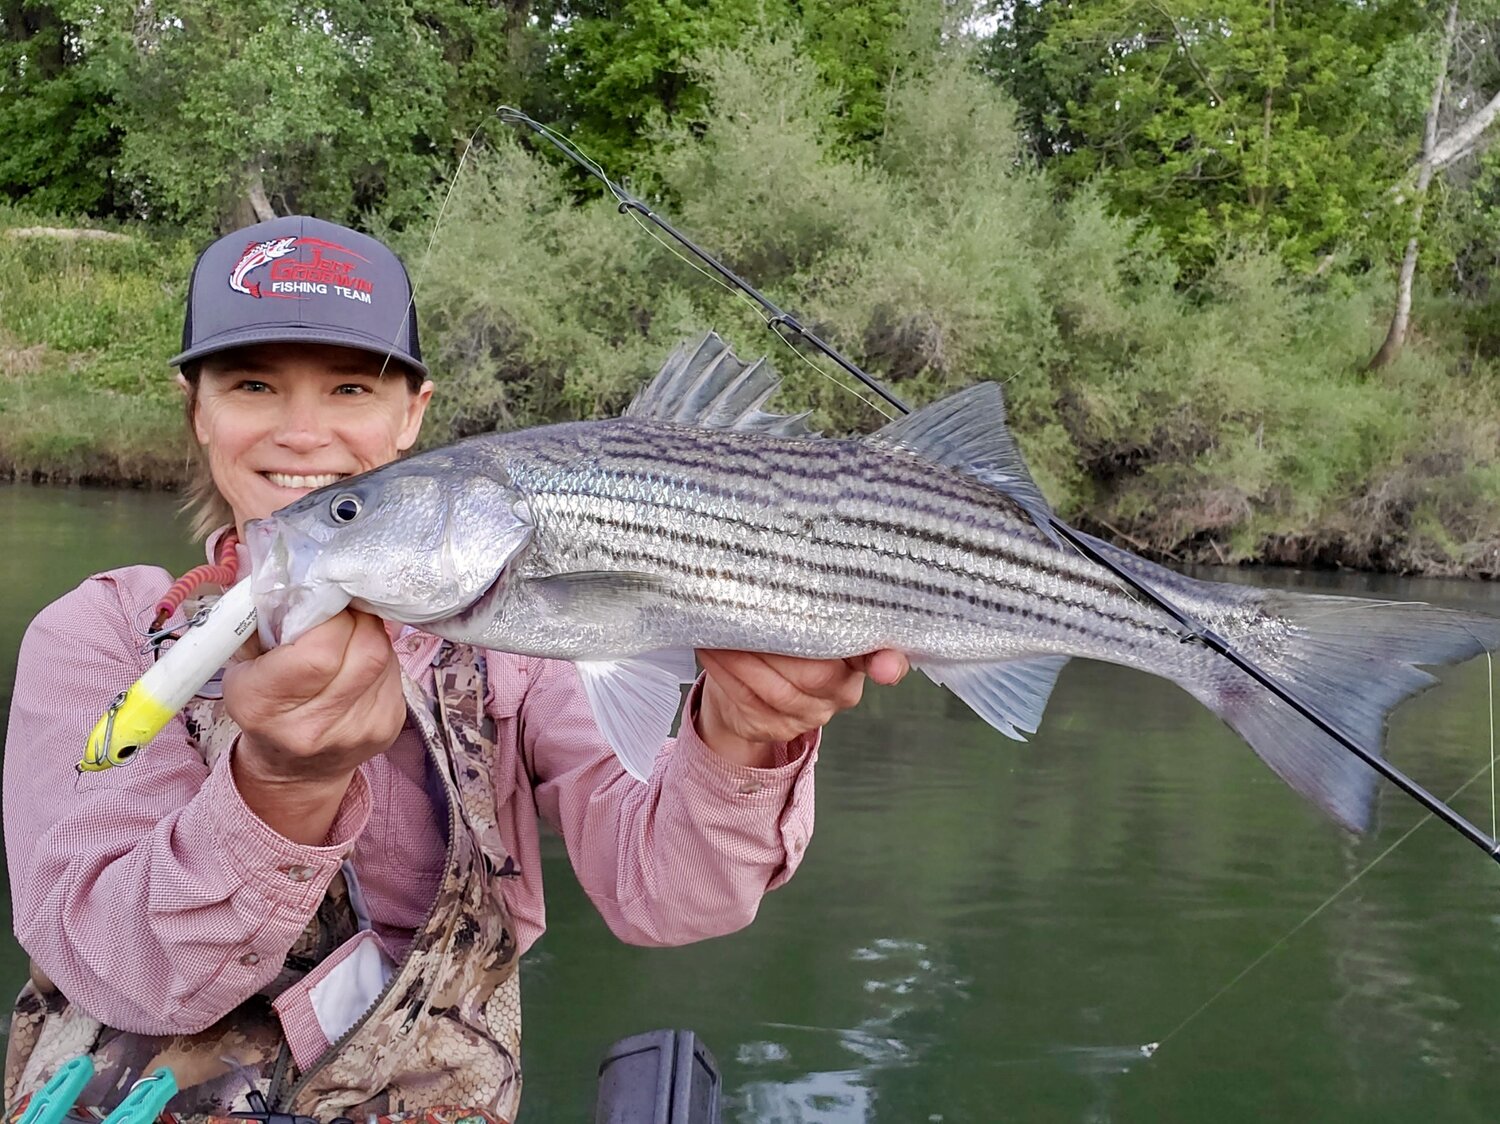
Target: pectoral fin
x: 634, y: 701
x: 601, y: 596
x: 1010, y: 696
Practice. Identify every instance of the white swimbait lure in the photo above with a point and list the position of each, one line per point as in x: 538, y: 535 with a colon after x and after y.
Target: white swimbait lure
x: 143, y: 709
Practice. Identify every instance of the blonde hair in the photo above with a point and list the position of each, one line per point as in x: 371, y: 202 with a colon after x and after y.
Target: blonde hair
x: 202, y: 502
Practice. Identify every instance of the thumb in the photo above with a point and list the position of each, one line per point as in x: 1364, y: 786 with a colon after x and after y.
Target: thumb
x: 886, y: 666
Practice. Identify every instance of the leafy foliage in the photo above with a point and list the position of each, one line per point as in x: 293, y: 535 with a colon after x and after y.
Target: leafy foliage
x: 1165, y: 227
x: 1216, y: 420
x: 1217, y: 119
x: 57, y: 137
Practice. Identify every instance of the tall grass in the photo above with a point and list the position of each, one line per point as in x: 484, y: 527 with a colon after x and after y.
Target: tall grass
x: 86, y: 327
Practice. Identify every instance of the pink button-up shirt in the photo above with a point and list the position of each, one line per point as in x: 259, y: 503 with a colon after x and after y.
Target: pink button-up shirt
x: 158, y: 902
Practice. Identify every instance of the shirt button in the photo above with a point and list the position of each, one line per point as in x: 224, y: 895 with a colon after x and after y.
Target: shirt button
x: 296, y: 873
x: 250, y: 959
x: 749, y: 788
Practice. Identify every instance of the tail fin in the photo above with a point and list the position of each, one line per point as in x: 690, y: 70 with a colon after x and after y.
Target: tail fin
x: 1348, y: 659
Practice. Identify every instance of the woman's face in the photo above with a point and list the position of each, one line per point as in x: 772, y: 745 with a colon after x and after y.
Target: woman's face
x: 279, y: 420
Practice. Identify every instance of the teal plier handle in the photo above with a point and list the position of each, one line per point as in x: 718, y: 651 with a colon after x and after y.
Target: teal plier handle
x: 146, y: 1099
x: 50, y: 1103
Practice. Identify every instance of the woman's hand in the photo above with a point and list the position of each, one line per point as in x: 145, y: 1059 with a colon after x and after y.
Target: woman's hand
x: 753, y: 701
x: 310, y: 713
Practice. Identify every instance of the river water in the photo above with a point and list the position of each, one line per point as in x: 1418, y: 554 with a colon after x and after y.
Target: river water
x: 984, y: 930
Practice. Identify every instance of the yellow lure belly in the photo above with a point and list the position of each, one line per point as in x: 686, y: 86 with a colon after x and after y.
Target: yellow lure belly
x: 143, y: 709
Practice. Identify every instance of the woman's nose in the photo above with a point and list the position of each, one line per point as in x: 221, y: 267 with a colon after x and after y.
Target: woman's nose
x: 302, y: 426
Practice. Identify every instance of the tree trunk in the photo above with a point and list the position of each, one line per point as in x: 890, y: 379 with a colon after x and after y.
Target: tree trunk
x: 256, y: 194
x: 1395, y: 337
x: 1460, y: 142
x: 251, y: 205
x: 1267, y: 104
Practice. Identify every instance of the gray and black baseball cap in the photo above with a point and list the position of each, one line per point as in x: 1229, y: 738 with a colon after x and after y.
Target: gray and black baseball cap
x: 300, y: 280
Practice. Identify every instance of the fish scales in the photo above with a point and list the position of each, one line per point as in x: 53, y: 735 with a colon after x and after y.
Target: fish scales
x: 787, y: 536
x: 699, y: 521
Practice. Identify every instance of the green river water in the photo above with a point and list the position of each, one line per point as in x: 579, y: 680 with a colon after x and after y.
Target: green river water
x: 985, y: 930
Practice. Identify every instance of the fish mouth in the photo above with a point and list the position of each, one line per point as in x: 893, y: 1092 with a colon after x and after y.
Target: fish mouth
x: 288, y: 600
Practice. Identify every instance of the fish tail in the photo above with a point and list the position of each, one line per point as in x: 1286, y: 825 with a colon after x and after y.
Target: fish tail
x: 1350, y: 661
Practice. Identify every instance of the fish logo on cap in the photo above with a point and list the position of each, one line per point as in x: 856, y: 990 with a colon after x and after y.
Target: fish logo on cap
x: 330, y: 269
x: 256, y: 255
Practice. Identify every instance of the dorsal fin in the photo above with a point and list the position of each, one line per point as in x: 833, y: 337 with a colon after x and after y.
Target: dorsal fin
x: 706, y: 385
x: 967, y: 432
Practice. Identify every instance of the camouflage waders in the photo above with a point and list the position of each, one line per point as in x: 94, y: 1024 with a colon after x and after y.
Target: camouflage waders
x: 442, y: 1041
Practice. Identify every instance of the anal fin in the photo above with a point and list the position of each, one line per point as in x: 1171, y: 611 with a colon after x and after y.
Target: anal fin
x: 634, y: 701
x: 1009, y: 695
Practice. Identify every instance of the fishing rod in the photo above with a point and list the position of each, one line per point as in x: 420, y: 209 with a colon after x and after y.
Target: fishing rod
x: 1194, y: 630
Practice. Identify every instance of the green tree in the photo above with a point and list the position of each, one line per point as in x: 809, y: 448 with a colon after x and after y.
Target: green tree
x: 623, y: 69
x: 1444, y: 89
x: 232, y: 110
x: 1215, y: 119
x: 622, y: 65
x: 58, y: 141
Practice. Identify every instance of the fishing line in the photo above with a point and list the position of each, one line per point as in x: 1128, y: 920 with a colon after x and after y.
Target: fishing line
x: 1192, y: 629
x: 1297, y: 928
x: 437, y: 223
x: 769, y: 321
x: 627, y: 206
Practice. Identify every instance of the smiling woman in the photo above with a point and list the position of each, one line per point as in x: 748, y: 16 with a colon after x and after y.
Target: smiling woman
x: 275, y: 421
x: 318, y: 886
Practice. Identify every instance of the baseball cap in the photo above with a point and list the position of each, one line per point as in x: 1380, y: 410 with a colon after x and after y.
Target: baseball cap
x: 300, y: 280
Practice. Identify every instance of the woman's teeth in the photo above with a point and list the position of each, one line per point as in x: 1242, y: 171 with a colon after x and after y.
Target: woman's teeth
x: 287, y: 480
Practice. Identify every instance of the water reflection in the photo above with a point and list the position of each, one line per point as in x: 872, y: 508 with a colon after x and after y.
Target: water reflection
x: 986, y: 930
x: 814, y: 1098
x: 903, y: 981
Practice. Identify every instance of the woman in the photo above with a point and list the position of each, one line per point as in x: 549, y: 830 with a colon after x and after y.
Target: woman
x: 317, y: 886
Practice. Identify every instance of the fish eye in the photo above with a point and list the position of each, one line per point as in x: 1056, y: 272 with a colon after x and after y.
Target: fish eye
x: 345, y: 508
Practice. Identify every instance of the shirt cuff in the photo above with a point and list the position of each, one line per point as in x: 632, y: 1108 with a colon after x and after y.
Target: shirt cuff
x: 784, y: 790
x: 287, y: 873
x: 770, y: 785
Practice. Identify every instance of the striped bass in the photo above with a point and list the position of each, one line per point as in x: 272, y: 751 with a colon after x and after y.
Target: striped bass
x: 696, y: 520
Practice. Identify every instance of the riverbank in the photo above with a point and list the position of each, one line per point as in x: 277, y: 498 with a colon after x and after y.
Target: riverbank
x: 56, y: 428
x: 86, y: 323
x: 1231, y: 423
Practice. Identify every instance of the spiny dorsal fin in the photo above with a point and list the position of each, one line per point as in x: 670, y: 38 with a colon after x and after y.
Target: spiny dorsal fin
x: 706, y: 385
x: 967, y: 432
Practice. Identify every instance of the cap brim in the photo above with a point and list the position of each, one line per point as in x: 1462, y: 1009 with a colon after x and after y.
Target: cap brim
x: 298, y: 333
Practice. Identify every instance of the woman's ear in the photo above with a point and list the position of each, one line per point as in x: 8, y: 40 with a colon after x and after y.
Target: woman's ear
x: 416, y: 408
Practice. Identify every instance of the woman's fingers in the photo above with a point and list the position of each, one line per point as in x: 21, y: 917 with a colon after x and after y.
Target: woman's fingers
x: 775, y: 698
x: 331, y: 700
x: 886, y: 666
